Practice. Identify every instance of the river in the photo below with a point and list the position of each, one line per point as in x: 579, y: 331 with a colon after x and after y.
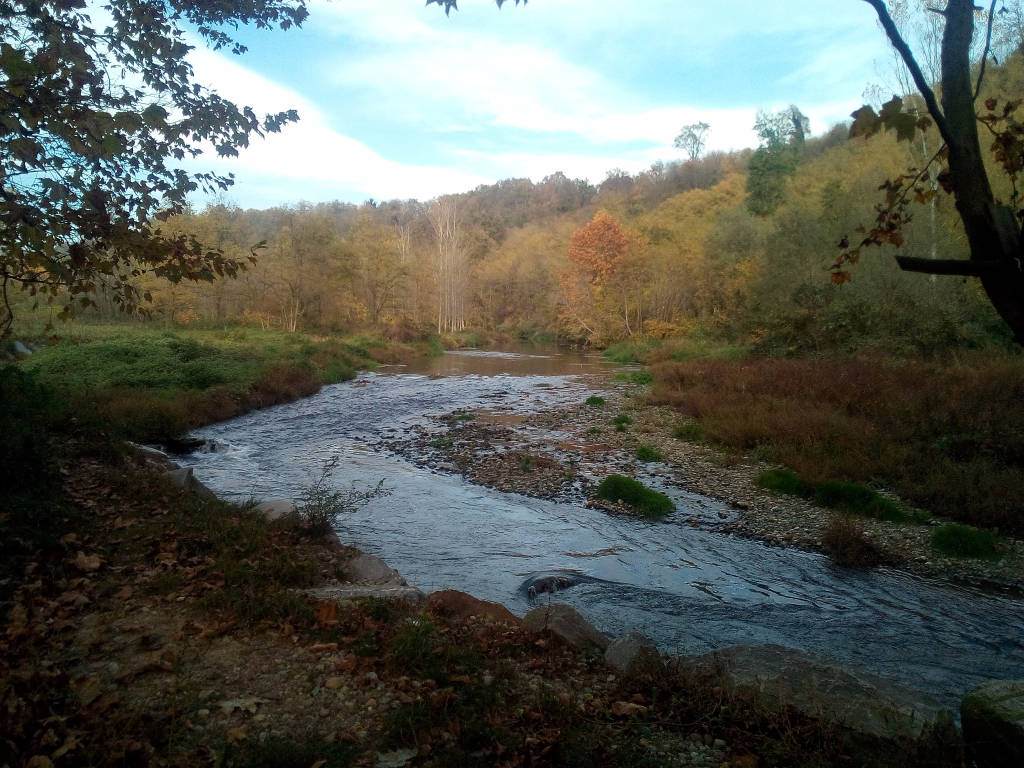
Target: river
x: 691, y: 589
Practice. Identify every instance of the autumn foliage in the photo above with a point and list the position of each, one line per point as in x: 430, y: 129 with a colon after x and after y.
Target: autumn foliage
x: 596, y: 287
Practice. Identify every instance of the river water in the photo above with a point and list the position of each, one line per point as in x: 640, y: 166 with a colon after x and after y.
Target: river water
x: 691, y: 589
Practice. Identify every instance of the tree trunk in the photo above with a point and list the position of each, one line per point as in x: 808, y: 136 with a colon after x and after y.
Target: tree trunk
x: 993, y: 233
x: 992, y: 230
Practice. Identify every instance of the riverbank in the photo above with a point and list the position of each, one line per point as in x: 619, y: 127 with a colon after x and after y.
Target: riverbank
x: 151, y: 384
x: 562, y: 454
x: 165, y: 628
x: 153, y: 625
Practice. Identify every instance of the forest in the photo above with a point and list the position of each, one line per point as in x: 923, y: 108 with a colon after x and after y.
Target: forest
x: 732, y: 247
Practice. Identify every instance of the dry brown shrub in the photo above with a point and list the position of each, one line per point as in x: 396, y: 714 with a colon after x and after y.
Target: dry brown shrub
x: 846, y: 543
x: 948, y: 437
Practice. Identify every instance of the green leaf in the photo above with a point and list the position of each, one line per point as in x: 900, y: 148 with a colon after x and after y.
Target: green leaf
x: 155, y: 116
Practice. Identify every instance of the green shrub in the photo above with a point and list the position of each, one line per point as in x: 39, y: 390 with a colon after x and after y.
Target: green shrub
x: 848, y: 497
x: 629, y: 352
x: 784, y: 481
x: 622, y: 419
x: 320, y: 506
x: 634, y: 377
x: 413, y: 650
x: 337, y: 370
x: 690, y: 431
x: 595, y: 401
x: 959, y: 540
x: 647, y: 453
x: 648, y: 502
x: 858, y: 499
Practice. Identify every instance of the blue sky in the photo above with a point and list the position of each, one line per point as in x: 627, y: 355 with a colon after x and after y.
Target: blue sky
x: 399, y: 101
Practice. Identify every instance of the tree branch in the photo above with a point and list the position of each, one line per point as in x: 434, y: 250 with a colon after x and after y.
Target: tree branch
x: 988, y: 47
x: 915, y: 69
x: 949, y: 266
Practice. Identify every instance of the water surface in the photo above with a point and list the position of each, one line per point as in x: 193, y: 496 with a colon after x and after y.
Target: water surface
x: 691, y: 589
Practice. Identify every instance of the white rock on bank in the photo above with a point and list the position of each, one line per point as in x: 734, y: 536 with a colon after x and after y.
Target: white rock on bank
x: 275, y: 509
x: 367, y: 569
x: 183, y: 478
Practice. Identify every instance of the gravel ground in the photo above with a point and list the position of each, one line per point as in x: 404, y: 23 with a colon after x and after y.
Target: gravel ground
x: 562, y: 453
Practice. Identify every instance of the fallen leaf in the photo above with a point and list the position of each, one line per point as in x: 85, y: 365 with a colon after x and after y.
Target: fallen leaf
x: 123, y: 594
x: 88, y: 690
x: 627, y: 709
x: 235, y: 735
x: 334, y: 683
x: 87, y: 563
x: 327, y: 613
x: 322, y: 647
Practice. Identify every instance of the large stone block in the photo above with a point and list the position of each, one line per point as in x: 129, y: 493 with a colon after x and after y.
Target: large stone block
x: 993, y: 722
x: 635, y: 655
x: 367, y: 569
x: 452, y: 604
x: 566, y: 622
x: 866, y: 704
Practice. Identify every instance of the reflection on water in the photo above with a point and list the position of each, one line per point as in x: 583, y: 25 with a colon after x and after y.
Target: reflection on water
x: 690, y: 589
x: 491, y: 363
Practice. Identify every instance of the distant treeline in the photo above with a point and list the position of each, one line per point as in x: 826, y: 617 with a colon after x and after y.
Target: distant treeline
x: 730, y: 246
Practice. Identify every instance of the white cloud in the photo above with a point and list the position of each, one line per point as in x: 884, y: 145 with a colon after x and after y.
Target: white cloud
x: 310, y: 151
x: 397, y: 64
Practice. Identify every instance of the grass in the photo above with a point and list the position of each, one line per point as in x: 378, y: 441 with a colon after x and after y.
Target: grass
x: 647, y: 453
x: 848, y: 497
x: 626, y: 352
x: 784, y: 481
x: 947, y: 437
x: 690, y: 431
x: 958, y: 540
x: 634, y: 377
x: 149, y: 383
x: 648, y: 502
x: 595, y: 401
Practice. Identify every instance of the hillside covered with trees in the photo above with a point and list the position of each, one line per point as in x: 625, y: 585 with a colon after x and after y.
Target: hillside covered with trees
x: 734, y: 247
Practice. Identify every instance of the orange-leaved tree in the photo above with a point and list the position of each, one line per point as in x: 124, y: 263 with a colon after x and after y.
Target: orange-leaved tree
x: 600, y: 290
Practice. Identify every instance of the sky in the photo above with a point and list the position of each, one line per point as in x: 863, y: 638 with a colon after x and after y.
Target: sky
x: 396, y: 100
